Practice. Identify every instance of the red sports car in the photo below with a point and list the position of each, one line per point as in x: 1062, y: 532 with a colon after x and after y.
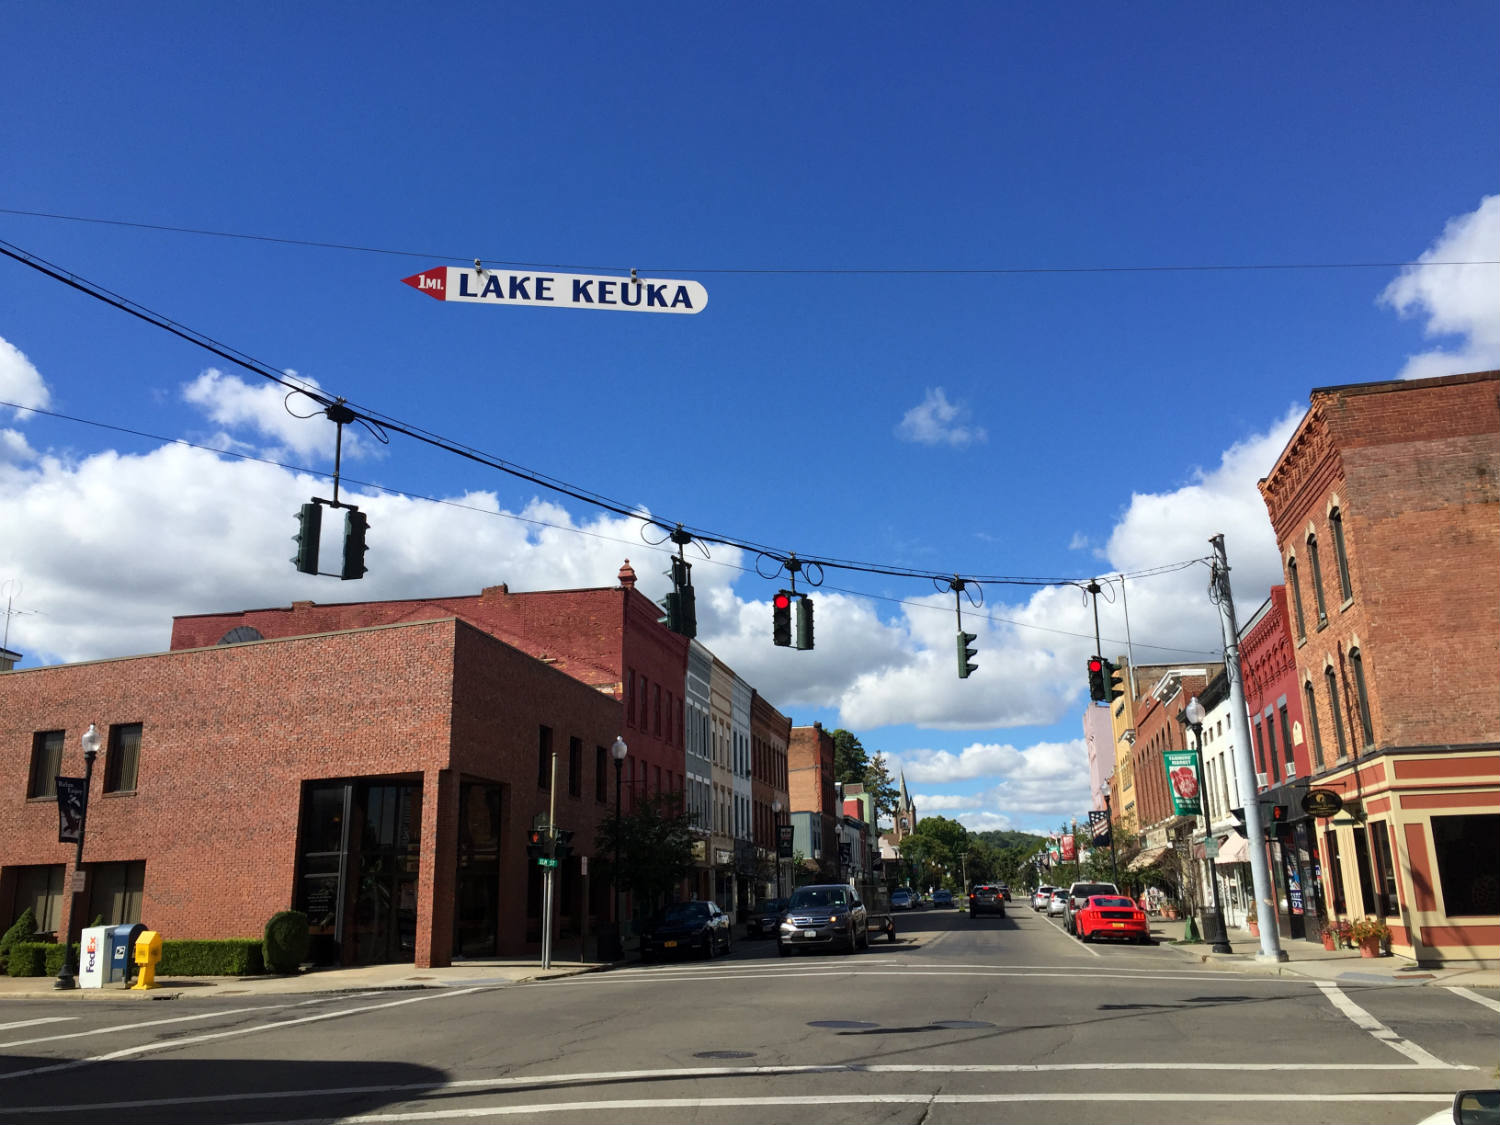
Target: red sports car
x: 1112, y: 916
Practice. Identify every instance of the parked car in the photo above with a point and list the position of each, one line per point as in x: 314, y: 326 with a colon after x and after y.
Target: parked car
x: 687, y: 927
x: 986, y: 899
x: 902, y: 899
x: 1057, y: 902
x: 1078, y: 896
x: 1005, y: 890
x: 942, y: 898
x: 824, y: 915
x: 1040, y: 897
x: 1112, y: 916
x: 765, y: 919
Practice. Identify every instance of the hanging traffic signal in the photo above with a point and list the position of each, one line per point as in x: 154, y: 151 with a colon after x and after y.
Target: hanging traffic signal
x: 355, y: 526
x: 1098, y: 692
x: 681, y: 615
x: 1114, y: 676
x: 309, y: 527
x: 965, y: 665
x: 781, y: 619
x: 562, y: 843
x: 805, y: 622
x: 672, y: 618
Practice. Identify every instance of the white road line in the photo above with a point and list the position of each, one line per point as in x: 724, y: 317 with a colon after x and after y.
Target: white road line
x: 597, y: 980
x: 133, y: 1026
x: 33, y: 1023
x: 172, y: 1044
x: 474, y: 1086
x: 1468, y: 994
x: 616, y: 1105
x: 1366, y: 1022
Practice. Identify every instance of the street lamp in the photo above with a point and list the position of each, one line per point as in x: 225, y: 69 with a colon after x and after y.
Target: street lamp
x: 611, y: 944
x: 1114, y: 863
x: 776, y: 812
x: 1194, y: 714
x: 90, y: 740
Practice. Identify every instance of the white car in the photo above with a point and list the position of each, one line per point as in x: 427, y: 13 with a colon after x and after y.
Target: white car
x: 1057, y: 905
x: 1040, y: 897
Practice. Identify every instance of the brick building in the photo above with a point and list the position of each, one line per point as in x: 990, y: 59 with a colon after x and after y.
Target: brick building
x: 815, y: 809
x: 1387, y: 516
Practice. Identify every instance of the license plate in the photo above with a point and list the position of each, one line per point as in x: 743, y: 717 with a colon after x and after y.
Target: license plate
x: 1118, y: 925
x: 809, y: 933
x: 669, y: 945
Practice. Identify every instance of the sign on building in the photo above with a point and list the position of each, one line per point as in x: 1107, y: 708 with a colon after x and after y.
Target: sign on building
x: 560, y: 290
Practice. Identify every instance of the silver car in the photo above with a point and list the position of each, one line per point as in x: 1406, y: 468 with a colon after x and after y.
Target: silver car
x: 1057, y: 902
x: 824, y: 916
x: 1040, y: 897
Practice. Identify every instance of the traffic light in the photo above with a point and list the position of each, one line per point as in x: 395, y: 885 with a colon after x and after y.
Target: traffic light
x: 309, y: 527
x: 355, y: 526
x: 805, y: 622
x: 1098, y: 690
x: 681, y: 615
x: 781, y: 619
x: 965, y: 665
x: 562, y: 843
x: 672, y: 619
x: 1114, y: 681
x: 536, y: 843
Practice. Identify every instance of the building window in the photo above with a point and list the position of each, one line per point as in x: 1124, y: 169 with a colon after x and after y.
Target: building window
x: 1385, y: 870
x: 1260, y: 751
x: 1336, y: 521
x: 1286, y: 740
x: 115, y: 891
x: 575, y: 767
x: 1362, y: 695
x: 122, y: 758
x: 1333, y: 712
x: 1310, y: 705
x: 630, y: 699
x: 1271, y: 761
x: 1465, y: 847
x: 544, y: 758
x: 1335, y: 871
x: 656, y: 702
x: 601, y: 774
x: 1317, y: 580
x: 41, y: 888
x: 1296, y: 585
x: 46, y: 761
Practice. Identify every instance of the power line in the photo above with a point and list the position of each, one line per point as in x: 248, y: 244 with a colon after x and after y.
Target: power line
x: 810, y: 271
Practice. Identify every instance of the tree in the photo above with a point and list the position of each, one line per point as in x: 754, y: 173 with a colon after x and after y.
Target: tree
x: 850, y: 762
x: 882, y: 787
x: 656, y: 848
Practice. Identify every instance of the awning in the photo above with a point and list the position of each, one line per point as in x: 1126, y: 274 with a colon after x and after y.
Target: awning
x: 1147, y: 858
x: 1234, y: 849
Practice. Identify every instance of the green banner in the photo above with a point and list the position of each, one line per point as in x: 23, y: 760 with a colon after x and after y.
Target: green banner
x: 1182, y: 780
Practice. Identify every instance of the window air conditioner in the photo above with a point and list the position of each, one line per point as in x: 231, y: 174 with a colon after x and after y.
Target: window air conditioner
x: 1260, y: 781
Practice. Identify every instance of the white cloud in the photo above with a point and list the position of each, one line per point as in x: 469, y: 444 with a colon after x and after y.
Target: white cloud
x: 936, y: 421
x: 265, y: 409
x: 20, y: 381
x: 1458, y: 301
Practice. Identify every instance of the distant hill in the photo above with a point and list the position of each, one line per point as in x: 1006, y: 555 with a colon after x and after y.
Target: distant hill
x: 1004, y: 840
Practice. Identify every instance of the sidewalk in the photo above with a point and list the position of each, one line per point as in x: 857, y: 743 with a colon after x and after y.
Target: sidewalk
x: 1310, y: 959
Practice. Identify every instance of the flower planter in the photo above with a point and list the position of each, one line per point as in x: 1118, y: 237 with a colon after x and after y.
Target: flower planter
x: 1254, y: 928
x: 1370, y: 947
x: 1330, y: 942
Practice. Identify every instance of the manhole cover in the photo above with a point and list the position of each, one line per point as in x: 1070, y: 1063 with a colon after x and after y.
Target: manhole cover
x: 723, y: 1054
x: 959, y: 1025
x: 840, y: 1024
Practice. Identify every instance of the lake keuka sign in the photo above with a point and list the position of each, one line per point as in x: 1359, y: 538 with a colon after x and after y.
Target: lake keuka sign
x: 559, y: 290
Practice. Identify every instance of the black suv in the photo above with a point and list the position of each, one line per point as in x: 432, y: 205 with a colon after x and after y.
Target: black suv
x: 986, y: 898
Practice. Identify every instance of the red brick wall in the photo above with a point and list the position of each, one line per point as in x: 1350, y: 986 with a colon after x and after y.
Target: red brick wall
x: 1268, y: 660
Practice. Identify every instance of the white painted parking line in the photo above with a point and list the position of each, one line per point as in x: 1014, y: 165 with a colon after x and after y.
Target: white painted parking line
x: 172, y: 1044
x: 132, y: 1026
x: 475, y: 1086
x: 1366, y: 1022
x: 33, y: 1023
x: 1468, y: 994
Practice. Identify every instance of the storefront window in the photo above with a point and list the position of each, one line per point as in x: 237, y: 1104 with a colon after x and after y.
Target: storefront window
x: 1335, y: 871
x: 1385, y: 871
x: 1465, y: 847
x: 1362, y: 869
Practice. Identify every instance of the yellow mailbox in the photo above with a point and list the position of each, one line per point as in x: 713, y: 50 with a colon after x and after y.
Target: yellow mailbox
x: 147, y: 954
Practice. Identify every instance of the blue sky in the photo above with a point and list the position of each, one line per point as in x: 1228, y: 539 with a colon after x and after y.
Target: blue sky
x: 939, y: 334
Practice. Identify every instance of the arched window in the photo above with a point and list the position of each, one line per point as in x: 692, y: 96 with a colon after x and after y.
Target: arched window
x: 1357, y: 663
x: 1296, y: 585
x: 1311, y: 707
x: 1333, y: 710
x: 1336, y: 521
x: 1317, y: 579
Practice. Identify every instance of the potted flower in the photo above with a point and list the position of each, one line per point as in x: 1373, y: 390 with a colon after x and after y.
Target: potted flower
x: 1252, y: 920
x: 1369, y: 933
x: 1331, y: 932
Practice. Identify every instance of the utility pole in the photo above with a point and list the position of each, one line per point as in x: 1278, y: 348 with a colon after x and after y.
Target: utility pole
x: 1244, y: 764
x: 547, y: 879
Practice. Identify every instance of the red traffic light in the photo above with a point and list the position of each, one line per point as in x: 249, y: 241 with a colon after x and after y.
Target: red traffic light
x: 782, y: 601
x: 1096, y: 664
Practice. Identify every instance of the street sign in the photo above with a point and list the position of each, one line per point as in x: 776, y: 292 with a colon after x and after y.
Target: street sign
x: 1211, y: 847
x: 543, y: 861
x: 560, y: 290
x: 1322, y: 802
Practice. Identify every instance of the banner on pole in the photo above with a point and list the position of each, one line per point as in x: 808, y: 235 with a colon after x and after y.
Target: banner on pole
x: 1182, y: 780
x: 1069, y: 848
x: 1099, y: 828
x: 72, y: 799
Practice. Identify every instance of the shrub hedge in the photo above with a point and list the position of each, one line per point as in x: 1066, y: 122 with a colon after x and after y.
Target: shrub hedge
x: 286, y: 941
x: 36, y: 958
x: 226, y: 957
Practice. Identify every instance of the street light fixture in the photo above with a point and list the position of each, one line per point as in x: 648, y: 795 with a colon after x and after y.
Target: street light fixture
x: 1109, y: 815
x: 1194, y: 714
x: 611, y: 945
x: 90, y: 740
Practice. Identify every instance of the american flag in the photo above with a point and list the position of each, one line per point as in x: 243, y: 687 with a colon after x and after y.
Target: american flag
x: 1099, y: 827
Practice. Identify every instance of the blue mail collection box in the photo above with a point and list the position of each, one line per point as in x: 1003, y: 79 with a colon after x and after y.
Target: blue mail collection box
x: 119, y: 945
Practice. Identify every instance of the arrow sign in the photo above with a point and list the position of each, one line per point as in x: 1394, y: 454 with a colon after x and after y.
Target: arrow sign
x: 560, y: 290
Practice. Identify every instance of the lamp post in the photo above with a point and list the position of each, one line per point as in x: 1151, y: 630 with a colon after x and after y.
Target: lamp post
x: 611, y: 941
x: 776, y: 812
x: 1194, y: 715
x: 1109, y: 815
x: 90, y: 740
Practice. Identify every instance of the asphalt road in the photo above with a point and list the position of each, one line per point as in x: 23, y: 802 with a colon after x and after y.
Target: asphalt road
x: 983, y: 1020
